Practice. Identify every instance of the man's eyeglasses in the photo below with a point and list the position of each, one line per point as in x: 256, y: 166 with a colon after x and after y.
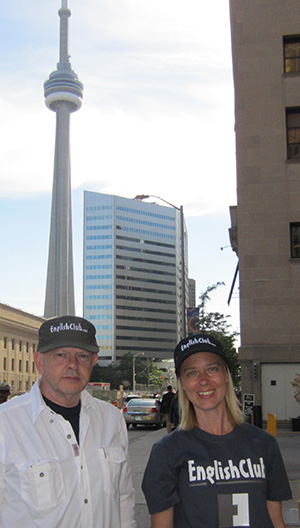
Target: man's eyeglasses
x: 62, y: 357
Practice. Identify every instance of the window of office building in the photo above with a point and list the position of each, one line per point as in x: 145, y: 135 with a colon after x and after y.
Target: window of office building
x: 295, y: 239
x: 4, y: 363
x: 20, y: 365
x: 291, y: 52
x: 5, y: 342
x: 293, y: 133
x: 12, y: 364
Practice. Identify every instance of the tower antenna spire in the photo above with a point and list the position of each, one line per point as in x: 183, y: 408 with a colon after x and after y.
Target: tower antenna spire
x: 63, y: 94
x: 64, y: 14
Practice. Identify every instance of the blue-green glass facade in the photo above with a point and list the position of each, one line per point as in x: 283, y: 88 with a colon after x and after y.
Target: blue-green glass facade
x: 132, y: 275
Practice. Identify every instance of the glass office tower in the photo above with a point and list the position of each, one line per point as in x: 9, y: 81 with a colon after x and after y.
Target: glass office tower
x: 132, y: 276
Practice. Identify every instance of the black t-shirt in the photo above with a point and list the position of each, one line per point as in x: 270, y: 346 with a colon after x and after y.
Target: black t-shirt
x: 68, y: 413
x: 216, y: 481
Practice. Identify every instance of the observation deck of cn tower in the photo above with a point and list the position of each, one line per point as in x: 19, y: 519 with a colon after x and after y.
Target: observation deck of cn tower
x: 63, y: 95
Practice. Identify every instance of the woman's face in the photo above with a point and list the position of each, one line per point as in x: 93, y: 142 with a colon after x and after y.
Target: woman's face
x: 204, y: 379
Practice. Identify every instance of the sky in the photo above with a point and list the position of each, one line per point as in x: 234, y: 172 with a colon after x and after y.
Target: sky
x: 157, y: 118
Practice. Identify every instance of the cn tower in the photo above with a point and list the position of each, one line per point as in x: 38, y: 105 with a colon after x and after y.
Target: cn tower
x: 63, y: 95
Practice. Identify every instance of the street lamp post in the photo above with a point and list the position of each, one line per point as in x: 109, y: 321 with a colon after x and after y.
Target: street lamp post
x: 133, y: 369
x: 180, y: 209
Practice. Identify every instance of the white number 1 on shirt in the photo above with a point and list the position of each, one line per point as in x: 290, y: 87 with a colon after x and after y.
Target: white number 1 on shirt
x: 233, y: 510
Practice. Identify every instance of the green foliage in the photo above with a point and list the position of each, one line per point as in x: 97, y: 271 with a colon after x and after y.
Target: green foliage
x: 218, y: 325
x: 121, y: 372
x: 155, y: 376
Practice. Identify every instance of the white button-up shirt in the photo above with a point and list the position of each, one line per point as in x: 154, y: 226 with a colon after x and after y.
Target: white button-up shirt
x: 47, y: 480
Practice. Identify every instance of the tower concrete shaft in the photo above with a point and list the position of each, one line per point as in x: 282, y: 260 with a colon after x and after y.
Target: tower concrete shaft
x: 63, y: 95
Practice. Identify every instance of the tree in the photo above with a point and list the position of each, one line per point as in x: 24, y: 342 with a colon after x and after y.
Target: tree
x: 218, y: 325
x: 121, y: 372
x: 155, y: 376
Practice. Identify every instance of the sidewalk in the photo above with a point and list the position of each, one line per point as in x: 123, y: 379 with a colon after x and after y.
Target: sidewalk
x: 139, y: 451
x: 289, y: 443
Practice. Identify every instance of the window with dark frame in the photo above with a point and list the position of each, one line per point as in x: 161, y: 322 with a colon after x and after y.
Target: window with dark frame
x: 295, y: 240
x: 291, y: 54
x: 293, y: 133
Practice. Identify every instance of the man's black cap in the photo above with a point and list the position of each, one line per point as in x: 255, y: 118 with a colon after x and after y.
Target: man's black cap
x: 197, y: 343
x: 67, y: 331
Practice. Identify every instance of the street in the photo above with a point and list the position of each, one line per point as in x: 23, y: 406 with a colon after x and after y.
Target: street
x: 138, y: 432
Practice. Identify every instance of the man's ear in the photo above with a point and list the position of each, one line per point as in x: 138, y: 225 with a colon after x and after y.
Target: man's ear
x: 95, y: 359
x: 38, y: 359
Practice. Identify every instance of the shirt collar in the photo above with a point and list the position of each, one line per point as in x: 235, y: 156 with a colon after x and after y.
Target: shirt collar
x: 38, y: 404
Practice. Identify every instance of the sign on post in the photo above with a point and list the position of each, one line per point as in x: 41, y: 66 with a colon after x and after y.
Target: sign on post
x: 248, y: 403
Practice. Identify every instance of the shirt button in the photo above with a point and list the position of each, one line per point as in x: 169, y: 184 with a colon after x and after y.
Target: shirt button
x: 85, y: 501
x: 51, y: 421
x: 69, y: 436
x: 42, y: 474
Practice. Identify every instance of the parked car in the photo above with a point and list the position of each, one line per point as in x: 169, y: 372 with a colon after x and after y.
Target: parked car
x: 131, y: 397
x: 143, y: 411
x: 128, y: 398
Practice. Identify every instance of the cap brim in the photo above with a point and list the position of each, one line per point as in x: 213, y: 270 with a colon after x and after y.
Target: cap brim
x: 82, y: 346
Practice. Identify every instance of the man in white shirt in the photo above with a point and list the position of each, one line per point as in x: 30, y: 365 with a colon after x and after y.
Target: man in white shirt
x: 63, y: 454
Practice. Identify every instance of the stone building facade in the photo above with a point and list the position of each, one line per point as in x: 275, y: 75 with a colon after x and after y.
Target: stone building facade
x: 265, y: 228
x: 18, y: 341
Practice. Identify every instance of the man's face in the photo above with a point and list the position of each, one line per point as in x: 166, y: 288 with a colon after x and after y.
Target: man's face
x: 65, y: 373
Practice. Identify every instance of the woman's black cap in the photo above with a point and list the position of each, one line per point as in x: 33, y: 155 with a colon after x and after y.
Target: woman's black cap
x: 197, y: 343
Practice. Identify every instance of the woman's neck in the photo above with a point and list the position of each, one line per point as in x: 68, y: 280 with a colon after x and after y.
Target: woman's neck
x: 215, y: 423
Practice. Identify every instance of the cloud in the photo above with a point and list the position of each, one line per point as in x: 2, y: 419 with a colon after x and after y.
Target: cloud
x: 157, y: 118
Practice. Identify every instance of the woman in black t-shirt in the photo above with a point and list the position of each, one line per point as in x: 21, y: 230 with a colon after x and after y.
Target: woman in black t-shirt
x: 214, y: 471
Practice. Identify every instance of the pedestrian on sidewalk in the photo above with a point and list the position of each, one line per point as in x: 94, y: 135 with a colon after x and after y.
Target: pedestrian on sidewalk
x: 174, y: 412
x: 166, y: 406
x: 63, y: 454
x: 215, y: 470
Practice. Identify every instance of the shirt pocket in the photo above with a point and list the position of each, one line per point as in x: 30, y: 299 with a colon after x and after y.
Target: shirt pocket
x: 41, y: 483
x: 112, y: 460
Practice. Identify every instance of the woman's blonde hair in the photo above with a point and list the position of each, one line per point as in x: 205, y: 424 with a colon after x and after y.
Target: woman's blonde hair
x: 188, y: 420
